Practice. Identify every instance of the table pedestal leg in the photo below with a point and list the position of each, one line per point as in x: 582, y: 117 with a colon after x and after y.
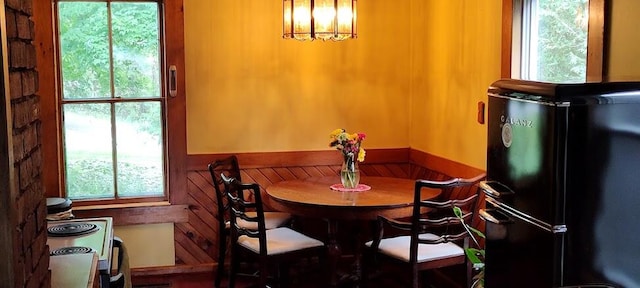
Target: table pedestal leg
x: 357, y: 254
x: 334, y: 251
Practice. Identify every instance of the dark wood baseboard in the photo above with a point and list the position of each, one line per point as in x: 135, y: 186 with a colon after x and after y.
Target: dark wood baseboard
x: 176, y: 269
x: 172, y: 276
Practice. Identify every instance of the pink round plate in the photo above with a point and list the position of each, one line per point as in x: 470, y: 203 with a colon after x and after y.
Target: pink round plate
x: 359, y: 188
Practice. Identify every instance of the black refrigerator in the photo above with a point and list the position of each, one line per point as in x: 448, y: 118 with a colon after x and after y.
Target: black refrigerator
x: 563, y: 185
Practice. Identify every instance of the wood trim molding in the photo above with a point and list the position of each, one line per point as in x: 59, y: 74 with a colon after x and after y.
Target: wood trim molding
x: 139, y: 215
x: 176, y: 106
x: 9, y: 244
x: 595, y: 41
x: 199, y: 162
x: 169, y: 270
x: 173, y: 276
x: 597, y: 33
x: 46, y: 58
x: 443, y: 165
x: 507, y: 34
x: 297, y: 158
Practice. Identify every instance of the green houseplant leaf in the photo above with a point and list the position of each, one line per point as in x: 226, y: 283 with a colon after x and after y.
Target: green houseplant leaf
x: 475, y: 255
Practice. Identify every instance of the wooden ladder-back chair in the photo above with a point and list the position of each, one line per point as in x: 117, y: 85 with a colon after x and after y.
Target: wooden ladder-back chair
x: 433, y: 237
x: 229, y: 166
x: 273, y: 247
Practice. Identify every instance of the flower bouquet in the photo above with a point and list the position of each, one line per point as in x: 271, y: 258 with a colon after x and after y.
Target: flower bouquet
x: 352, y: 152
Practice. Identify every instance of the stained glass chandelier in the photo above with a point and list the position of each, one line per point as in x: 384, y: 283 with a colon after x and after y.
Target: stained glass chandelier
x: 319, y: 19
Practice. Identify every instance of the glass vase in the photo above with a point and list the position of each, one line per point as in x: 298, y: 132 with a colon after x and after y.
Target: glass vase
x: 349, y: 173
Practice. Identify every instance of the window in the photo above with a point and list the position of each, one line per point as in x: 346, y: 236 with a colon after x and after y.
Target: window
x: 550, y: 40
x: 112, y: 103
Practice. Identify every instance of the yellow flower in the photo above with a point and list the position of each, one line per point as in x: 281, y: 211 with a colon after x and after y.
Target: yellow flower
x: 334, y: 134
x: 361, y: 154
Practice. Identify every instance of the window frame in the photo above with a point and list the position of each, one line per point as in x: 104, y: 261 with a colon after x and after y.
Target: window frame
x: 113, y: 102
x: 596, y: 35
x: 174, y: 118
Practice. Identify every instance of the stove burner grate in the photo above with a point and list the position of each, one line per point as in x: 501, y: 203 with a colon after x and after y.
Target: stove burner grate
x: 72, y: 229
x: 71, y: 250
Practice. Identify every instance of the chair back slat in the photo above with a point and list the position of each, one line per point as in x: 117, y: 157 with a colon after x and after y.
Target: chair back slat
x: 440, y: 221
x: 444, y: 238
x: 244, y: 231
x: 450, y: 203
x: 457, y: 188
x: 427, y: 223
x: 235, y: 193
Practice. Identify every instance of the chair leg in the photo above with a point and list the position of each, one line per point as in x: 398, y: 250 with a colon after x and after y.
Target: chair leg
x: 234, y: 266
x: 283, y: 276
x: 324, y: 261
x: 415, y: 277
x: 366, y: 268
x: 222, y: 250
x: 264, y: 267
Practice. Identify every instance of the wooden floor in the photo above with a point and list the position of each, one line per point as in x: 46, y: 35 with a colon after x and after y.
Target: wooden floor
x: 202, y: 281
x: 305, y: 274
x: 306, y: 278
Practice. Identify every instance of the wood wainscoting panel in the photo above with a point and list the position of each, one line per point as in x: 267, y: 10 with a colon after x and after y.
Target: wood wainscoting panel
x: 196, y: 239
x: 450, y: 169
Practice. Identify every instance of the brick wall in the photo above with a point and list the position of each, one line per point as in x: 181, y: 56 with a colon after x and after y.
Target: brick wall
x: 31, y: 255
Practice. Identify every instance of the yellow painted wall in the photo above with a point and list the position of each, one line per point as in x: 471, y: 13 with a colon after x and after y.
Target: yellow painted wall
x: 624, y: 53
x: 250, y: 90
x: 148, y: 245
x: 455, y: 56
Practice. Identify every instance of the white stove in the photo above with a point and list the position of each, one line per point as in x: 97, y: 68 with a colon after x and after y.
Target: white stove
x: 86, y: 235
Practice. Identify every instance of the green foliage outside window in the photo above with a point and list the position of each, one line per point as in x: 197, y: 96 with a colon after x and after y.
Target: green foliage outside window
x: 111, y: 51
x: 85, y: 51
x: 562, y: 40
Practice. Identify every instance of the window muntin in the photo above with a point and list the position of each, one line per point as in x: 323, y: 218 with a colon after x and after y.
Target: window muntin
x: 550, y: 40
x: 112, y: 105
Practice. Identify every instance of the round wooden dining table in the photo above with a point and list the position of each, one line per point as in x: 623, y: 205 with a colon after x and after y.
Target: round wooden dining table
x: 312, y: 197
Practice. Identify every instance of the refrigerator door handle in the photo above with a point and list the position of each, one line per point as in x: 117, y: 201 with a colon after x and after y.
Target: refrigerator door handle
x: 494, y: 216
x: 511, y: 212
x: 495, y: 189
